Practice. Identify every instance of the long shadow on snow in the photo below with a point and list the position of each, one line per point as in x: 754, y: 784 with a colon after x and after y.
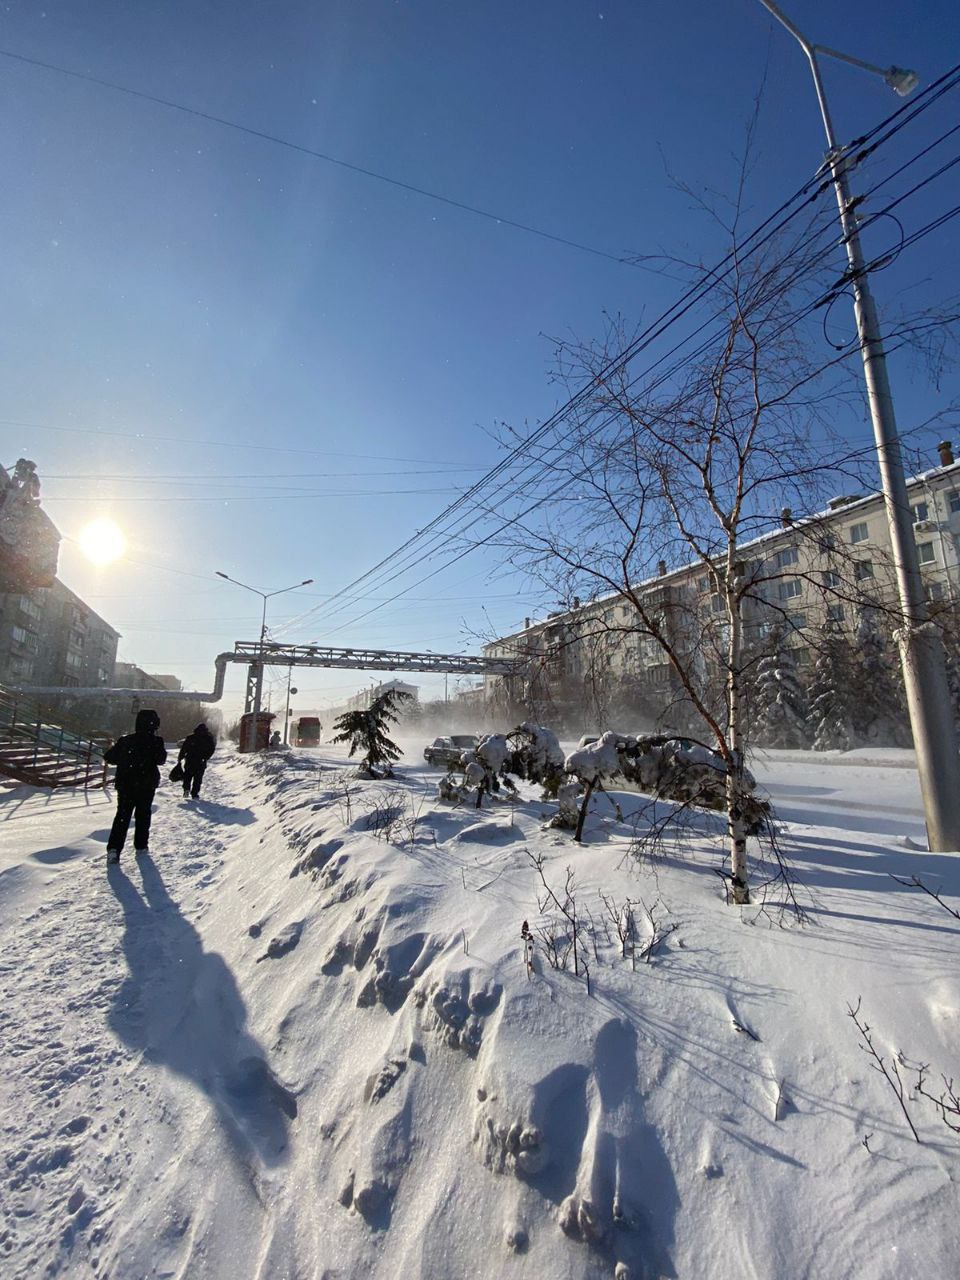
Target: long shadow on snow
x: 633, y: 1169
x: 180, y: 1007
x: 223, y: 814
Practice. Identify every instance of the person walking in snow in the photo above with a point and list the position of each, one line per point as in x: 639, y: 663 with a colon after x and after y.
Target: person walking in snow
x: 137, y: 757
x: 195, y: 750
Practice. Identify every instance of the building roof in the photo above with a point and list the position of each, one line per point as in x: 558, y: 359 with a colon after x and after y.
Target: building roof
x: 857, y: 503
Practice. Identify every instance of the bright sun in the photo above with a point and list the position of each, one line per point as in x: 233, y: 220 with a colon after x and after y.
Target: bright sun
x: 101, y: 541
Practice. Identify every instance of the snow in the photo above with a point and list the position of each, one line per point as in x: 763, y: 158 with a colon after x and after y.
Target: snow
x: 296, y: 1043
x: 596, y: 761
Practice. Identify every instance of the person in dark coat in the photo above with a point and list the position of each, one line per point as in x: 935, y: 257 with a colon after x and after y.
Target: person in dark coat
x: 195, y: 750
x: 137, y: 757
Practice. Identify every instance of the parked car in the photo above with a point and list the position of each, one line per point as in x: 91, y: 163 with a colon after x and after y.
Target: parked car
x: 447, y: 751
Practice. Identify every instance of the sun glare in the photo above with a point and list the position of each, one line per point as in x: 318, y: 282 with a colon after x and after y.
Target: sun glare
x: 101, y: 542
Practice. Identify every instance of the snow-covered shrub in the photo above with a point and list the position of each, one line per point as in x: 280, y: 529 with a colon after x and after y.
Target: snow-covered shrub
x: 666, y: 768
x: 536, y: 756
x: 483, y: 771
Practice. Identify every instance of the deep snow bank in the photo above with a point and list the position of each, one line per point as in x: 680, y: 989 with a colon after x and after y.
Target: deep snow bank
x: 703, y: 1115
x: 301, y: 1041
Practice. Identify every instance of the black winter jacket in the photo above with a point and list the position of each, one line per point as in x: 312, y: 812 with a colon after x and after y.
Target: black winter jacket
x: 198, y: 746
x: 137, y: 755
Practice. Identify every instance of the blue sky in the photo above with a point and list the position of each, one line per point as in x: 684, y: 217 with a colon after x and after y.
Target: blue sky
x: 279, y: 334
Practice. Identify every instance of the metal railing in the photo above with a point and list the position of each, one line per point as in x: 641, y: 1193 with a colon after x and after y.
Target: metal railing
x: 36, y: 748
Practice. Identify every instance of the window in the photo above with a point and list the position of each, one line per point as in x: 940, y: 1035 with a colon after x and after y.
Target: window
x: 19, y: 636
x: 703, y: 583
x: 787, y: 556
x: 863, y: 569
x: 801, y: 657
x: 76, y: 640
x: 926, y: 553
x: 31, y: 609
x: 827, y: 542
x: 790, y: 589
x: 954, y: 500
x: 22, y: 667
x: 835, y: 613
x: 717, y: 603
x: 830, y: 578
x: 859, y: 533
x: 919, y: 511
x: 934, y: 590
x: 74, y: 661
x: 797, y: 620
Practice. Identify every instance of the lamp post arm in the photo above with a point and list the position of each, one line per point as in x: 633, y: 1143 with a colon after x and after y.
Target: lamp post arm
x: 848, y: 57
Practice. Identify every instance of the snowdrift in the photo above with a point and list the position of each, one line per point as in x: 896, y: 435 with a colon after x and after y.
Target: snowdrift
x: 306, y: 1043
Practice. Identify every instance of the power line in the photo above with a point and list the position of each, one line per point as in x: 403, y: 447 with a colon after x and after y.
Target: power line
x: 708, y: 282
x: 151, y: 438
x: 194, y: 477
x: 299, y: 148
x: 797, y: 318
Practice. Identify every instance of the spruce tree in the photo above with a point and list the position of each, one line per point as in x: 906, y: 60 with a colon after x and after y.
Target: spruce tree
x: 831, y: 696
x: 366, y: 731
x: 879, y: 709
x: 779, y: 709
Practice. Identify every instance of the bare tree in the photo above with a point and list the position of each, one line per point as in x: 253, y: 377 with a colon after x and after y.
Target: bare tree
x: 692, y: 467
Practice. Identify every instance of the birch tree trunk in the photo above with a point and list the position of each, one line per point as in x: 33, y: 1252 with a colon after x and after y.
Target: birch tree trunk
x: 734, y: 788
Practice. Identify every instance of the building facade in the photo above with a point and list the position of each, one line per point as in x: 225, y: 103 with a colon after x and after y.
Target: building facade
x: 128, y: 675
x: 49, y: 636
x: 823, y: 571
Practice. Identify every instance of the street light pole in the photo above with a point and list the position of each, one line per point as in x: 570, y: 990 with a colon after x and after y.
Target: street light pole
x: 258, y: 665
x: 286, y: 714
x: 921, y: 649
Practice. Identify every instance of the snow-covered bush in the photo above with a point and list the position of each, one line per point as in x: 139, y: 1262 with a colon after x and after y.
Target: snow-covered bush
x: 529, y: 751
x: 536, y: 756
x: 483, y: 771
x: 666, y: 768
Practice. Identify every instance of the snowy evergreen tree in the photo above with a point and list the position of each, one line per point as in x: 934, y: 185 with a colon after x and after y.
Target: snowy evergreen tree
x: 880, y: 712
x: 779, y: 703
x: 366, y: 731
x: 832, y: 696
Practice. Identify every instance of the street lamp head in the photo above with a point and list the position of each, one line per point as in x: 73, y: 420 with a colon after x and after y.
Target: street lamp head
x: 220, y: 575
x: 901, y: 81
x: 307, y: 582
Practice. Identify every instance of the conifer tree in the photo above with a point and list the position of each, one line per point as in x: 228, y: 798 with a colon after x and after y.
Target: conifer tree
x: 779, y: 702
x: 831, y: 697
x: 880, y: 713
x: 366, y: 731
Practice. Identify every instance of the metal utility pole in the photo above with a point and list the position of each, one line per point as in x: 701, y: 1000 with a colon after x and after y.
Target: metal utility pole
x: 255, y: 677
x: 921, y: 649
x: 286, y: 714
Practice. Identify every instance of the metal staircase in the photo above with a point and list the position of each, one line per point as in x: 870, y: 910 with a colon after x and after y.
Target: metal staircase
x: 45, y: 752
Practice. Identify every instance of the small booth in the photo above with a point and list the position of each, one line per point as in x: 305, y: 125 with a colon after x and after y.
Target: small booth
x: 255, y: 730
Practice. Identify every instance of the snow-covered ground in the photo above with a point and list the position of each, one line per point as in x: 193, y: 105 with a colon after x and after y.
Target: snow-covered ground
x: 300, y: 1040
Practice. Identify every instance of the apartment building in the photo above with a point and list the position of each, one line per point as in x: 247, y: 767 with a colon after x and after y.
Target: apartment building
x: 363, y: 697
x: 49, y: 636
x: 825, y: 569
x: 127, y: 675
